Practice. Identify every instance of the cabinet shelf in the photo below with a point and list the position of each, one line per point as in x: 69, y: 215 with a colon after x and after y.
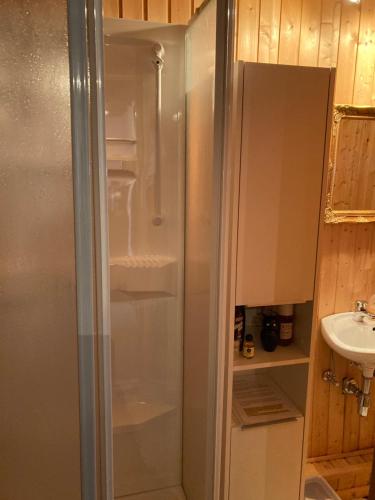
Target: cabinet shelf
x: 257, y: 400
x: 282, y: 356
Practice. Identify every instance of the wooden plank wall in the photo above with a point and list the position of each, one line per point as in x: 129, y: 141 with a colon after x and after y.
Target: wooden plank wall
x: 314, y: 33
x: 163, y: 11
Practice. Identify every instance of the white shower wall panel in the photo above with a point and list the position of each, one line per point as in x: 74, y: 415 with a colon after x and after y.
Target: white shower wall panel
x: 146, y: 257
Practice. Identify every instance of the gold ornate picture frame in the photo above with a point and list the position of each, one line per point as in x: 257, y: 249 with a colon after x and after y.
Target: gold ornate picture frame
x: 334, y: 215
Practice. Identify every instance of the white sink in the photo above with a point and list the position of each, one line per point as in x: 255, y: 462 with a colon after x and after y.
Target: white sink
x: 354, y: 340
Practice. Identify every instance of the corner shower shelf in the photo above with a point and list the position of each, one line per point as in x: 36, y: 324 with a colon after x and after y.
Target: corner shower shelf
x: 119, y: 139
x: 144, y: 274
x: 121, y: 149
x: 142, y: 261
x: 127, y: 416
x: 121, y: 158
x: 282, y: 356
x: 130, y: 160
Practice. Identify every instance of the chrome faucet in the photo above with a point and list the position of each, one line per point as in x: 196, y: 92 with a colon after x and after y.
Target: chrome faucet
x: 361, y: 312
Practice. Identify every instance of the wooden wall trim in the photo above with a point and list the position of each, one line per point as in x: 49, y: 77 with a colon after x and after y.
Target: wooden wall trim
x: 111, y: 8
x: 133, y: 9
x: 163, y: 11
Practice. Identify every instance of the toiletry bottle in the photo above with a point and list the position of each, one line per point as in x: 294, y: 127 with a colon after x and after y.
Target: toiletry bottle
x: 248, y: 350
x: 239, y: 325
x: 285, y: 316
x: 270, y: 332
x: 236, y: 345
x: 254, y: 320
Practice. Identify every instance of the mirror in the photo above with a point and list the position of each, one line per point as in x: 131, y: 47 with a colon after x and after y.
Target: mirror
x: 351, y: 176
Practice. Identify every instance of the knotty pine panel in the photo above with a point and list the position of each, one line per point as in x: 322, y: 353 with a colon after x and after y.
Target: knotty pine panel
x: 133, y: 9
x: 157, y: 11
x: 180, y: 12
x: 111, y: 8
x: 248, y: 26
x: 269, y: 31
x: 290, y: 31
x: 310, y: 33
x: 329, y: 33
x: 163, y: 11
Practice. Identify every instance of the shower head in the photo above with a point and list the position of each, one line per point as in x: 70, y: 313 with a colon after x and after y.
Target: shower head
x: 159, y: 52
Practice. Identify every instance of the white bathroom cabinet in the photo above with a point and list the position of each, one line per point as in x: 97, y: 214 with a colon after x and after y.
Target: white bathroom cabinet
x: 266, y: 461
x: 284, y: 116
x: 282, y: 154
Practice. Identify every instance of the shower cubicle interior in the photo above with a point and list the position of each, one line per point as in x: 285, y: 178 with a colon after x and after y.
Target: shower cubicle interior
x: 158, y: 361
x: 144, y: 92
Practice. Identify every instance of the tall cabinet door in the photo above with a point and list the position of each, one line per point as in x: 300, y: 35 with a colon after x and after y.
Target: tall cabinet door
x: 283, y: 144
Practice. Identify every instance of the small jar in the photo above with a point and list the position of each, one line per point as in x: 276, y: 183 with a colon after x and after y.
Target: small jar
x: 248, y: 350
x: 286, y: 318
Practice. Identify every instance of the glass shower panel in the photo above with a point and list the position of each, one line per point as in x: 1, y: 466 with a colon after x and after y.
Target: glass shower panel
x: 203, y: 174
x: 144, y: 92
x: 39, y: 394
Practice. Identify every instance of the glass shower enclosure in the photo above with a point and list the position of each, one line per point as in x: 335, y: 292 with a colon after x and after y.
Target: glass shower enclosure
x: 163, y: 169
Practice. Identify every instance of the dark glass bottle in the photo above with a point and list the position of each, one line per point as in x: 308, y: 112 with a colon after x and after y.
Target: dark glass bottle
x: 285, y: 316
x: 270, y: 332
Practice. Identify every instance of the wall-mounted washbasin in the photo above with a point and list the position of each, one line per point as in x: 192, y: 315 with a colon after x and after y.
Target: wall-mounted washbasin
x: 352, y: 338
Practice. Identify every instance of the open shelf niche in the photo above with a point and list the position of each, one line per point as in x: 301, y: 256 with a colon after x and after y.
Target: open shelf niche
x: 296, y: 353
x: 272, y: 386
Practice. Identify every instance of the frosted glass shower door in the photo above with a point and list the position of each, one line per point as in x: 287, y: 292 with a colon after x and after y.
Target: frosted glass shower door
x: 39, y: 417
x: 208, y: 68
x: 52, y: 262
x: 144, y: 93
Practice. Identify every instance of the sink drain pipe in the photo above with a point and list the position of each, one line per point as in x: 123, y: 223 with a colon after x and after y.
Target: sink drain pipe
x: 350, y: 386
x: 364, y: 398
